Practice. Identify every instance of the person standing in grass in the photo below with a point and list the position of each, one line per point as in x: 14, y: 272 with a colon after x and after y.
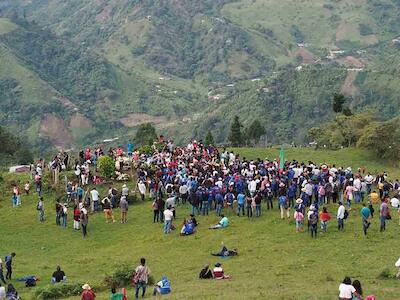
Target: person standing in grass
x: 241, y: 198
x: 142, y: 189
x: 141, y: 278
x: 77, y: 217
x: 249, y: 209
x: 299, y: 218
x: 324, y: 216
x: 258, y: 200
x: 8, y: 260
x: 123, y: 204
x: 365, y: 216
x: 107, y: 208
x: 384, y: 212
x: 168, y: 215
x: 284, y: 206
x: 84, y: 220
x: 340, y: 216
x: 64, y: 214
x: 40, y: 209
x: 1, y: 272
x: 313, y: 219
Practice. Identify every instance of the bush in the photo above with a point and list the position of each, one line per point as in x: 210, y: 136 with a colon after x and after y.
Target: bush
x: 106, y: 166
x: 61, y: 290
x: 122, y: 277
x: 385, y: 274
x: 146, y: 149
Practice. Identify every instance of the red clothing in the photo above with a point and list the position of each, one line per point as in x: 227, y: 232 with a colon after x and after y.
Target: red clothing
x: 324, y: 216
x: 88, y: 295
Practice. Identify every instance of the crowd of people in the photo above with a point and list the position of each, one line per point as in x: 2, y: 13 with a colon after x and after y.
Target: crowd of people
x: 216, y: 181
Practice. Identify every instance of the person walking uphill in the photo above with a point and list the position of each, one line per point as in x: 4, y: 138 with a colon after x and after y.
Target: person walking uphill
x: 365, y: 215
x: 8, y: 262
x: 384, y: 214
x: 141, y: 278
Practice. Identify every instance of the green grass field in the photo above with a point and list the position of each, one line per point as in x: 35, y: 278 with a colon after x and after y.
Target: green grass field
x: 274, y: 261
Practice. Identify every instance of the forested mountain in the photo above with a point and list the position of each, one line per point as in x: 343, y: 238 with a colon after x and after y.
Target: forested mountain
x: 76, y: 72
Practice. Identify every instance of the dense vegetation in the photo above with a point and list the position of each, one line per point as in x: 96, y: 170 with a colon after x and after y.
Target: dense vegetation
x: 196, y: 63
x: 12, y: 150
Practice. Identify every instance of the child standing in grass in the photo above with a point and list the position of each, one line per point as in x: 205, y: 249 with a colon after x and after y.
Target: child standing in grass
x: 299, y: 218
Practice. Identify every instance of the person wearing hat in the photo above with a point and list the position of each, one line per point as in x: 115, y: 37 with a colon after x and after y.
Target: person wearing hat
x: 299, y: 218
x: 219, y: 272
x: 87, y: 293
x: 299, y: 206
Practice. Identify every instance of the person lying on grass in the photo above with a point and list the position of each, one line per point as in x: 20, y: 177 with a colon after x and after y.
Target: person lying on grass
x: 225, y: 252
x: 223, y: 223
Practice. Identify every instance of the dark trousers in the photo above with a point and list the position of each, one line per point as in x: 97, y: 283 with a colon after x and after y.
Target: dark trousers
x: 9, y: 272
x: 383, y: 223
x: 340, y: 224
x: 313, y: 229
x: 270, y: 203
x: 249, y: 211
x: 365, y: 223
x: 2, y: 276
x: 84, y: 231
x: 137, y: 288
x: 156, y: 216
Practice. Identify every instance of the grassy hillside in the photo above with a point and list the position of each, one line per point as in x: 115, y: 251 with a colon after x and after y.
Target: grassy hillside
x: 274, y: 261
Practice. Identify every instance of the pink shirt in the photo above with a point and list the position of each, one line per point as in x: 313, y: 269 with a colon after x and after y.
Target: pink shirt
x: 298, y: 216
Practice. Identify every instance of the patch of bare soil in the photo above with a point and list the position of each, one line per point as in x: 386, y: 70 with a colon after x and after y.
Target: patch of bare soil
x: 79, y: 121
x: 348, y: 87
x: 54, y: 128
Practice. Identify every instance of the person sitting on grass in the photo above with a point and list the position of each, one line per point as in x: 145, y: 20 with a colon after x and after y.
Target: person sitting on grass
x: 219, y: 272
x: 223, y: 223
x: 188, y: 227
x: 225, y: 252
x: 58, y: 276
x: 206, y: 273
x: 163, y: 287
x: 12, y: 293
x: 87, y: 293
x: 118, y: 296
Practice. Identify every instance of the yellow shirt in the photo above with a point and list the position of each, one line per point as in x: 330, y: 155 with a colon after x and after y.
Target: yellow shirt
x: 374, y: 197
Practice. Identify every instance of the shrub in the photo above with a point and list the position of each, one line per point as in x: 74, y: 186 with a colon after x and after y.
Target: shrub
x: 122, y: 277
x: 106, y: 166
x: 54, y: 291
x: 385, y: 274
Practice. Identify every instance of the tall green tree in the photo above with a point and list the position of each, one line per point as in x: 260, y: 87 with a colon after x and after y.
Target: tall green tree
x: 383, y: 138
x: 235, y: 136
x: 338, y: 101
x: 209, y: 139
x: 254, y: 132
x: 146, y: 134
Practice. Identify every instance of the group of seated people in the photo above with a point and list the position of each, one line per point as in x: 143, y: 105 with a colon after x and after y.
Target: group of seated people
x: 216, y: 273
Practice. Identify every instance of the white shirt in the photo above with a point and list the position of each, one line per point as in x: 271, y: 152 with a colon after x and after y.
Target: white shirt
x: 346, y: 291
x: 142, y: 188
x: 397, y: 264
x: 252, y: 186
x: 395, y: 202
x: 340, y: 215
x: 2, y: 293
x: 369, y: 179
x: 357, y: 184
x: 95, y: 195
x: 168, y: 215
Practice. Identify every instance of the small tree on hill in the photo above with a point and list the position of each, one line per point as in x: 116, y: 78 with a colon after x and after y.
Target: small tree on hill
x: 106, y: 166
x: 235, y: 136
x: 146, y: 134
x: 254, y: 132
x: 209, y: 139
x: 338, y: 101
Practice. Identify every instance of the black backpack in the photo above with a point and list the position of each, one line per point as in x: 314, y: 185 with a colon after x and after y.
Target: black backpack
x: 346, y: 214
